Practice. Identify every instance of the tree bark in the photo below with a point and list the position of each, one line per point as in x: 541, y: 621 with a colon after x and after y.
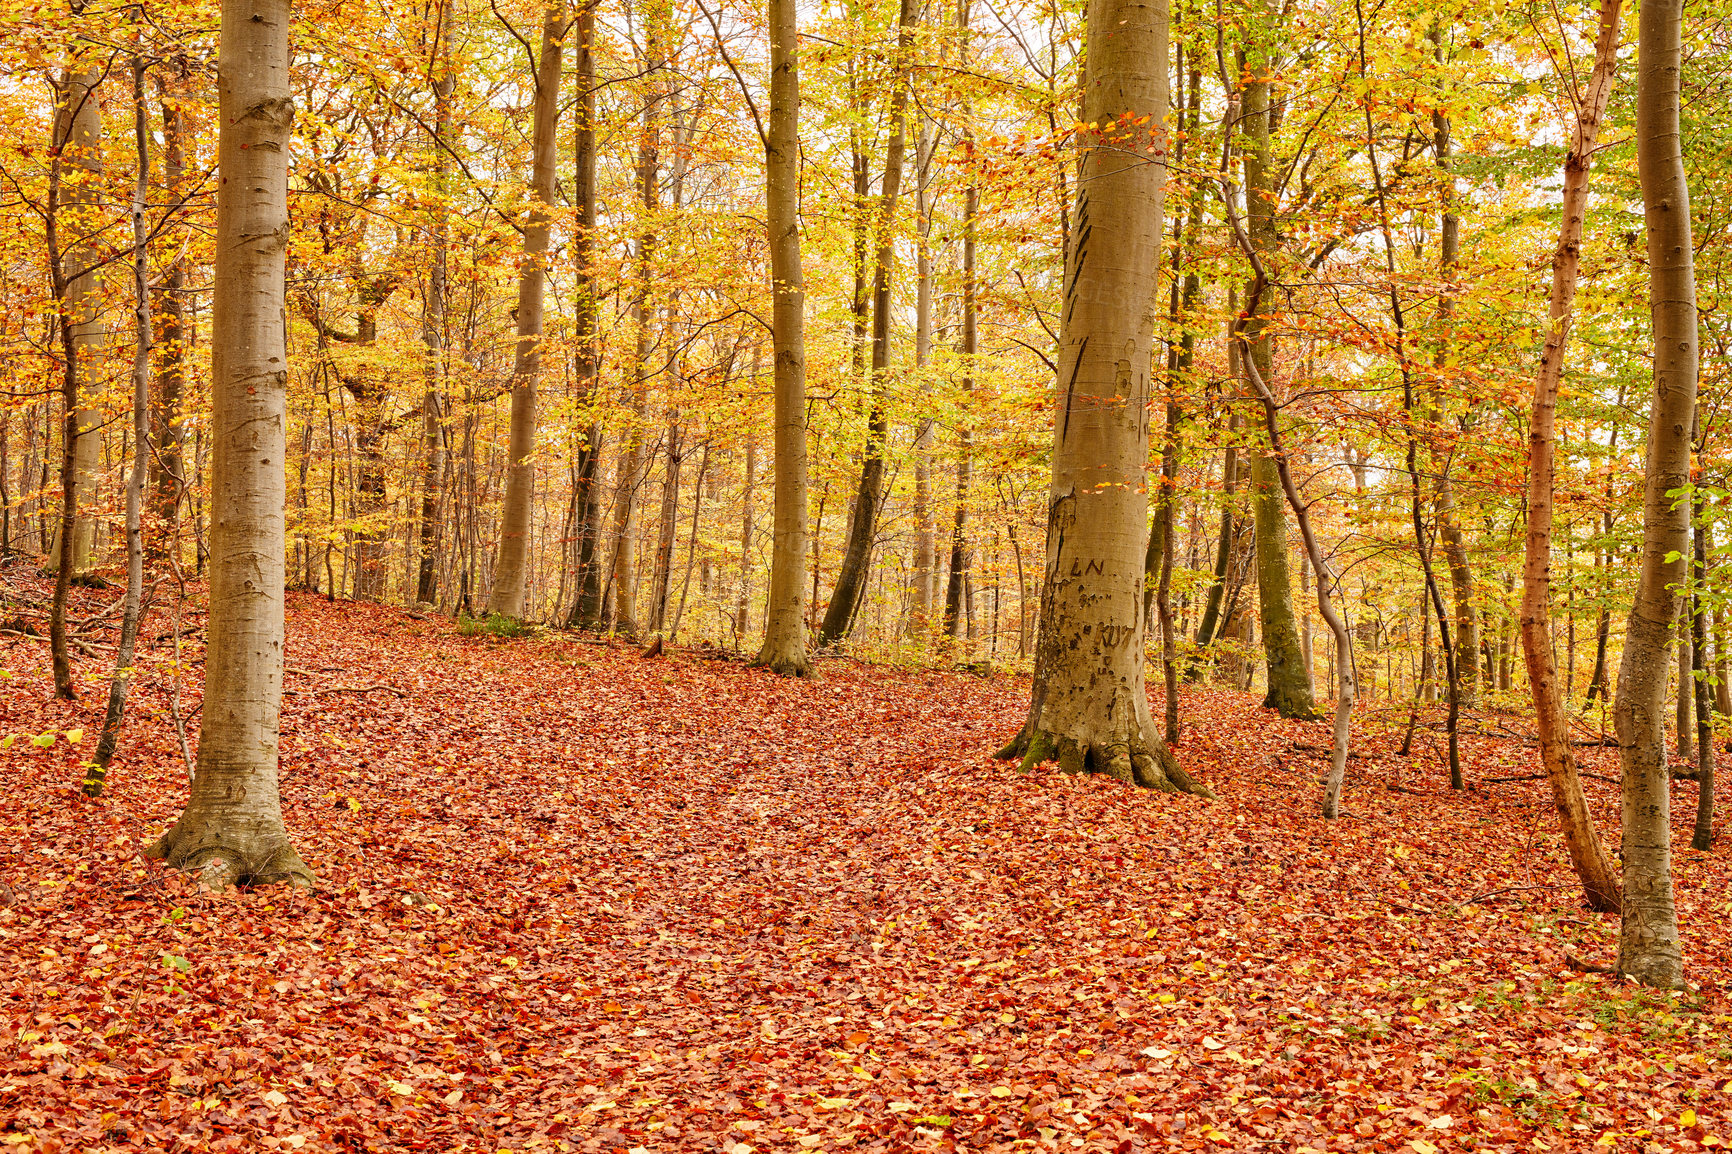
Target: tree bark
x: 1090, y: 706
x: 970, y: 349
x: 1289, y: 692
x: 168, y: 471
x: 587, y: 611
x: 433, y: 320
x: 1648, y: 945
x: 232, y: 828
x: 1702, y: 837
x: 850, y: 591
x: 511, y: 566
x: 1593, y: 867
x: 784, y: 647
x: 133, y: 613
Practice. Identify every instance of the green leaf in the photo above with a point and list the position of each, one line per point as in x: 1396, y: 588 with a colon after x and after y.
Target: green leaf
x: 933, y: 1120
x: 42, y: 740
x: 176, y: 962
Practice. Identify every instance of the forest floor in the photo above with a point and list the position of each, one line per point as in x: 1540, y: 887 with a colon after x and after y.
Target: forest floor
x: 573, y: 899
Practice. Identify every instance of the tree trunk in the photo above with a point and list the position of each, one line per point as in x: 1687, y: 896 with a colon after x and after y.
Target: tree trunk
x: 1702, y: 838
x: 74, y: 197
x: 511, y: 566
x: 784, y: 648
x: 959, y: 555
x: 587, y: 611
x: 168, y: 471
x: 1593, y: 868
x: 133, y: 613
x: 1289, y: 692
x: 1648, y: 946
x: 925, y: 535
x: 433, y: 321
x: 850, y: 591
x: 232, y: 828
x: 1090, y: 706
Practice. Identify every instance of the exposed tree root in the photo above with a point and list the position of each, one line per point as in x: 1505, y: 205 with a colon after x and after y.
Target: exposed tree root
x: 221, y: 861
x: 1146, y: 763
x: 783, y: 663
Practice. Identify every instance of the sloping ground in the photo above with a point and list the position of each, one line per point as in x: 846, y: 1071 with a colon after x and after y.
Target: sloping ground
x: 573, y: 899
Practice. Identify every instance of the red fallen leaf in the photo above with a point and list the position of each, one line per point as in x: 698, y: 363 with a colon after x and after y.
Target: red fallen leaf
x: 840, y: 860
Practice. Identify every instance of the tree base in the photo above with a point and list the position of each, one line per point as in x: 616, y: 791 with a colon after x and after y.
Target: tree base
x: 1293, y: 707
x: 1149, y: 764
x: 222, y: 859
x: 784, y: 663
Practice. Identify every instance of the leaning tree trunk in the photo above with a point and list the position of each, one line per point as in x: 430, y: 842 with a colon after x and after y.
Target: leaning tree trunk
x: 168, y: 472
x: 1648, y: 946
x: 1091, y: 708
x: 511, y: 566
x: 1594, y: 869
x: 232, y: 828
x: 784, y: 648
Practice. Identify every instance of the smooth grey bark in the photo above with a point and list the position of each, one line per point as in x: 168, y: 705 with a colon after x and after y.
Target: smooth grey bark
x: 1090, y: 705
x: 232, y: 828
x: 1648, y: 945
x: 784, y: 647
x: 511, y: 563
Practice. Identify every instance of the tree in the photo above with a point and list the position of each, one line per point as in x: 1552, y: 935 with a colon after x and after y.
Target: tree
x: 1090, y: 707
x: 74, y: 270
x: 784, y: 648
x: 1648, y: 947
x: 1599, y: 880
x: 232, y: 828
x: 510, y: 574
x: 1289, y: 687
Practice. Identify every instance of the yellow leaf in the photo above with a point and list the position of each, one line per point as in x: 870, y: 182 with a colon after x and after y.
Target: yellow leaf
x: 454, y: 1097
x: 1687, y: 1119
x: 1003, y: 1092
x: 403, y: 1089
x: 275, y: 1098
x: 74, y: 736
x: 354, y: 806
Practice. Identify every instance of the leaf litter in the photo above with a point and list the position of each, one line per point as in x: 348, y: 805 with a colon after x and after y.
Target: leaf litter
x: 570, y: 899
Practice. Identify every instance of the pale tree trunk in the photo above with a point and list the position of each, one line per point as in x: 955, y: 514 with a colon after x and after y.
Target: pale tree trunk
x: 511, y: 565
x: 1090, y: 707
x: 232, y: 828
x: 784, y: 648
x: 850, y: 591
x: 74, y: 199
x: 433, y: 321
x: 1327, y: 581
x: 1686, y: 726
x: 132, y: 615
x: 1593, y: 868
x: 1648, y: 946
x: 1289, y: 691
